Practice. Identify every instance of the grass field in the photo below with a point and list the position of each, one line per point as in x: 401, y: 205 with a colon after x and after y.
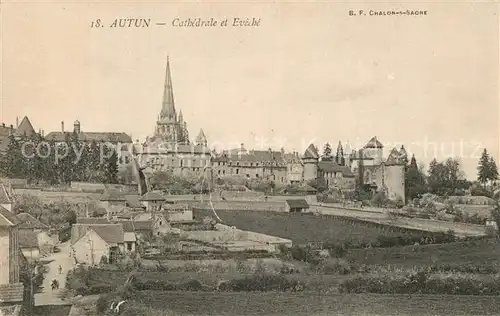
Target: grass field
x: 270, y: 303
x: 300, y: 228
x: 472, y: 252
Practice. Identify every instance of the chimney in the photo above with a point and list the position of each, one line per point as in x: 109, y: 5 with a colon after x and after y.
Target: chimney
x: 17, y: 121
x: 62, y: 126
x: 282, y: 150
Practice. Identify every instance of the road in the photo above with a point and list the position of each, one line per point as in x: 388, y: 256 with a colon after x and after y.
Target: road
x: 62, y: 258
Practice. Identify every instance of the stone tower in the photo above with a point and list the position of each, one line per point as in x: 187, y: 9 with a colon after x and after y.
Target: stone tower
x: 310, y: 160
x: 168, y: 127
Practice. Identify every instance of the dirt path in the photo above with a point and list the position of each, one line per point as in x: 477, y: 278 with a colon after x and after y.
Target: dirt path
x: 62, y: 258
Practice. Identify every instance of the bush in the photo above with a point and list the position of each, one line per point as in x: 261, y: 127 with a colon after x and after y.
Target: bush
x: 336, y: 266
x: 264, y: 282
x: 422, y: 282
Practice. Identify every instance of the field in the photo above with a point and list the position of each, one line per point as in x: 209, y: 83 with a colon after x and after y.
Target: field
x: 472, y: 252
x: 300, y: 228
x: 270, y: 303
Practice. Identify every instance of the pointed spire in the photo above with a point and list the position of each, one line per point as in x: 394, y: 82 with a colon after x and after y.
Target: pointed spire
x: 181, y: 118
x: 168, y: 107
x: 201, y: 139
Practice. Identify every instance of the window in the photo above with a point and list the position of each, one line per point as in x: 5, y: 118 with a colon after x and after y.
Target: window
x: 256, y: 175
x: 129, y: 246
x: 219, y: 163
x: 158, y: 234
x: 218, y: 172
x: 251, y: 164
x: 223, y: 171
x: 160, y: 223
x: 127, y: 160
x: 237, y: 171
x: 181, y: 162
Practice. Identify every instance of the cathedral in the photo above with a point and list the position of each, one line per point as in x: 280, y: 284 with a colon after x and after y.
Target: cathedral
x: 170, y: 127
x: 169, y: 148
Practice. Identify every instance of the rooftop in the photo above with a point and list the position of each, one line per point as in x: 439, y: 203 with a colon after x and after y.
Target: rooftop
x: 297, y: 203
x: 30, y: 222
x: 8, y: 218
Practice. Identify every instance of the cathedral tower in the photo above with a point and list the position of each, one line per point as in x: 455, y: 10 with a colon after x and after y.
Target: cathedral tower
x: 167, y: 126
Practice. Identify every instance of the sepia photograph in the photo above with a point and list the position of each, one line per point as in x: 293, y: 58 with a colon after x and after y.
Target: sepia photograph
x: 206, y: 158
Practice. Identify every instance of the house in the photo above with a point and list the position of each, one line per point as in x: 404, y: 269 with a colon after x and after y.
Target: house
x: 161, y: 226
x: 113, y: 198
x: 129, y: 237
x: 11, y: 289
x: 45, y: 240
x: 28, y: 221
x: 490, y: 222
x: 90, y: 243
x: 28, y: 242
x: 5, y: 199
x: 92, y: 220
x: 296, y: 205
x: 133, y: 202
x: 114, y: 211
x: 143, y: 229
x: 153, y: 201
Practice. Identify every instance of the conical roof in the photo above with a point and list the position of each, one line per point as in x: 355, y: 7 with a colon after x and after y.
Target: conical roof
x: 25, y: 128
x: 374, y: 143
x: 168, y: 106
x: 311, y: 152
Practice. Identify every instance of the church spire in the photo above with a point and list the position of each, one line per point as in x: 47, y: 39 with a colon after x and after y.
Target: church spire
x: 168, y: 107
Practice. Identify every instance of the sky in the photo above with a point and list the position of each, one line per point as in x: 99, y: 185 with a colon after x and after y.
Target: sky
x: 309, y: 73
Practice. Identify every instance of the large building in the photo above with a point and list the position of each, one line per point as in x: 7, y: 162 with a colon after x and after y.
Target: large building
x: 120, y: 141
x: 169, y: 148
x: 387, y: 174
x: 252, y: 164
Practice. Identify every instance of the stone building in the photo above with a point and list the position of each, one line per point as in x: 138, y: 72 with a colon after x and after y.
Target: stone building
x: 252, y: 164
x: 119, y: 141
x: 169, y: 148
x: 333, y: 174
x: 382, y: 174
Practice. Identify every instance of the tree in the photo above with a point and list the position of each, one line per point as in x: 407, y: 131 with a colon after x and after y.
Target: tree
x: 414, y: 180
x: 111, y: 168
x: 493, y: 169
x: 339, y: 157
x: 327, y: 152
x: 446, y: 178
x: 484, y: 168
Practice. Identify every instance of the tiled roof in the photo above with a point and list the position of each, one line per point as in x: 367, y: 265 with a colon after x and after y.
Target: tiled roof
x: 8, y: 218
x: 374, y: 143
x: 258, y: 156
x: 142, y: 225
x: 297, y: 203
x: 152, y: 196
x: 28, y: 238
x: 113, y: 196
x: 4, y: 195
x: 88, y: 137
x: 111, y: 233
x: 30, y: 222
x: 25, y: 128
x: 133, y: 201
x: 311, y: 152
x: 92, y: 220
x: 157, y: 146
x: 292, y: 158
x: 128, y: 226
x: 332, y: 167
x: 11, y: 293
